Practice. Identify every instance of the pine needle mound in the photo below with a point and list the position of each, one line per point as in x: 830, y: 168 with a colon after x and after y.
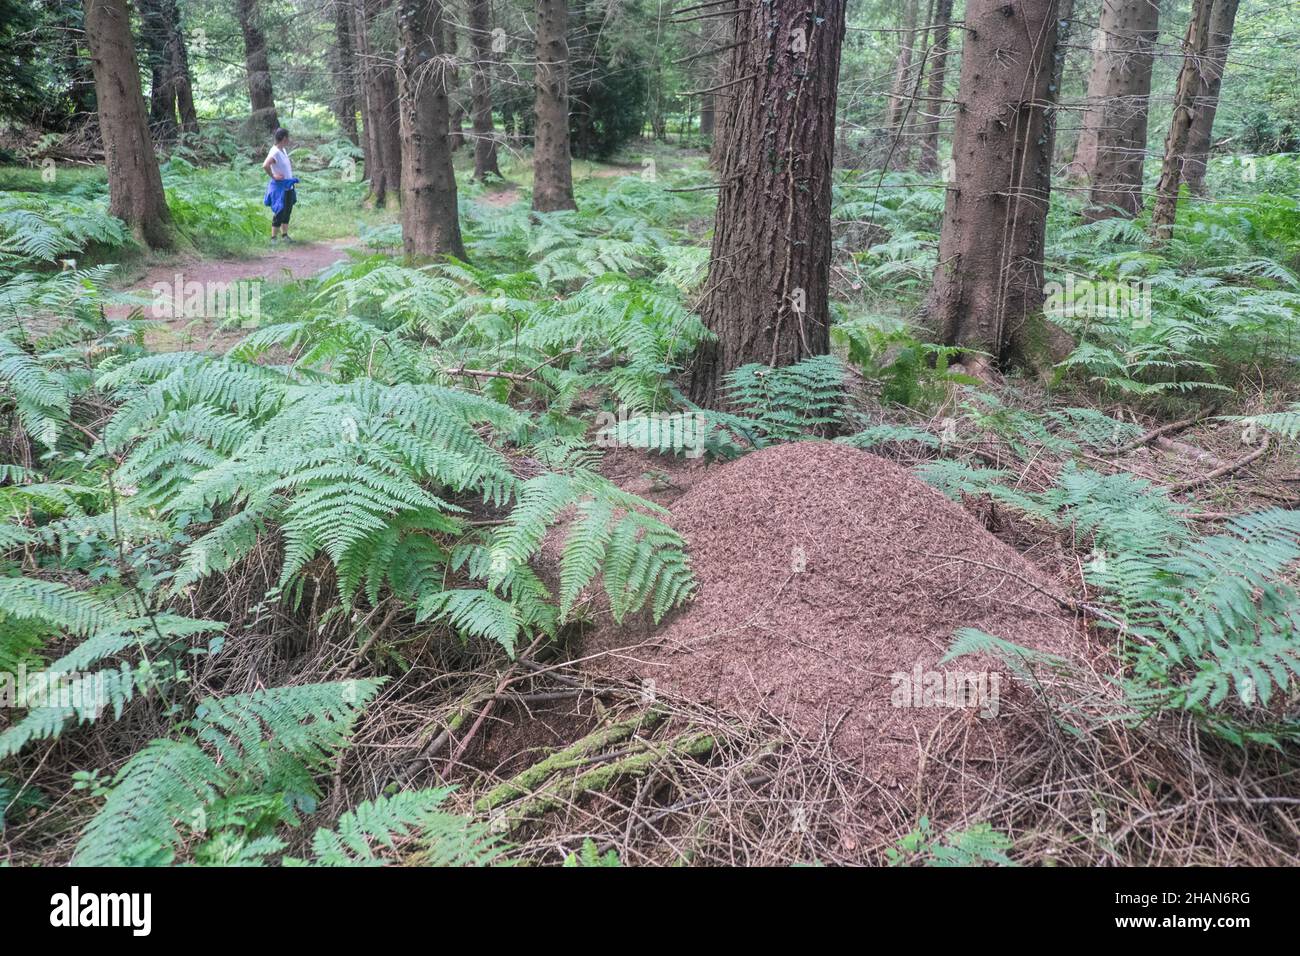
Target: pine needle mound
x: 829, y: 580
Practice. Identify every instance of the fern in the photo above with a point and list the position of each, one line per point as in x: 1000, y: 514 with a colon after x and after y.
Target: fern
x: 67, y: 690
x: 1202, y: 618
x: 978, y: 845
x: 788, y: 403
x: 369, y: 835
x: 1284, y: 424
x: 39, y: 229
x: 159, y: 798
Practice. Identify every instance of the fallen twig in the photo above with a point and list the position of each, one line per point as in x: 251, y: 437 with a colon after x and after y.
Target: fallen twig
x: 1168, y: 429
x: 1228, y: 469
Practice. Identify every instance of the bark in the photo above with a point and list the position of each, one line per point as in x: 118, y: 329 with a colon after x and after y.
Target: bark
x: 901, y: 89
x: 1222, y: 20
x: 706, y: 114
x: 258, y: 67
x: 1196, y: 46
x: 929, y: 162
x: 135, y: 189
x: 379, y: 101
x: 430, y: 222
x: 552, y: 168
x: 988, y: 289
x: 1113, y: 142
x: 456, y: 117
x: 365, y: 94
x: 155, y: 34
x: 345, y: 79
x: 485, y: 137
x: 769, y: 269
x: 724, y: 99
x: 181, y: 77
x: 388, y: 121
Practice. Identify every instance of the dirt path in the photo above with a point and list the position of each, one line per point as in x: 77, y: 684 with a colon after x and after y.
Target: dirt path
x: 500, y: 198
x: 162, y: 287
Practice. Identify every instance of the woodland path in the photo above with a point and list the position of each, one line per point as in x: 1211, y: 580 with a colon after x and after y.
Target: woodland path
x: 297, y: 260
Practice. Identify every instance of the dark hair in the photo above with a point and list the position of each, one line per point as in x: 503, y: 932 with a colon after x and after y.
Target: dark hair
x: 281, y: 135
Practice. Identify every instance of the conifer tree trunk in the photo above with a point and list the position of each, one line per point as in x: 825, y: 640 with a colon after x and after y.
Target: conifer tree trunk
x: 430, y: 221
x: 181, y: 76
x: 900, y: 93
x: 135, y: 190
x: 552, y: 166
x: 1113, y: 142
x: 155, y: 34
x: 1199, y: 138
x: 258, y: 67
x: 365, y: 95
x: 769, y: 267
x: 344, y: 64
x: 456, y: 111
x: 929, y: 162
x: 379, y: 101
x: 1196, y: 47
x: 988, y: 288
x: 901, y: 88
x: 706, y: 114
x: 388, y: 120
x: 485, y: 137
x: 722, y: 98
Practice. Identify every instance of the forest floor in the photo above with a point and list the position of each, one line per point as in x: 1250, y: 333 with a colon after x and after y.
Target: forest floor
x: 145, y: 283
x: 759, y: 724
x: 158, y: 283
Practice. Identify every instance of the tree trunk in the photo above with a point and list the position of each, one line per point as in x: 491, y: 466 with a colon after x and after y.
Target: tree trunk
x: 430, y: 222
x: 988, y: 288
x: 456, y: 110
x: 1064, y: 34
x: 155, y: 34
x: 901, y: 89
x: 381, y: 124
x: 388, y: 122
x: 724, y: 99
x: 345, y: 79
x: 181, y: 78
x: 1196, y: 47
x: 1113, y: 142
x: 552, y: 169
x: 480, y: 81
x: 929, y: 162
x: 135, y: 190
x: 366, y: 97
x: 1222, y: 21
x: 257, y: 66
x: 769, y: 267
x: 706, y: 114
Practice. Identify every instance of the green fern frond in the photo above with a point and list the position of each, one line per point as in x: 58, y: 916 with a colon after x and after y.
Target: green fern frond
x: 369, y: 835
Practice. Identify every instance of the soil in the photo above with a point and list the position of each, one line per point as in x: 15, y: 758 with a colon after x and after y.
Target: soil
x: 658, y: 478
x: 501, y: 197
x: 297, y: 260
x: 829, y: 579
